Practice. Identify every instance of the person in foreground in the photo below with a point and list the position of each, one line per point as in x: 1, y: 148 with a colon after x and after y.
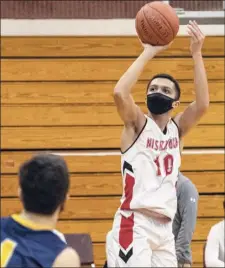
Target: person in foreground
x: 142, y: 235
x: 185, y: 219
x: 214, y: 255
x: 29, y: 239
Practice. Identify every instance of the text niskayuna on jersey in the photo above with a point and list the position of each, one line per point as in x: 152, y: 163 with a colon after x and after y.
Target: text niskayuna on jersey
x: 162, y: 145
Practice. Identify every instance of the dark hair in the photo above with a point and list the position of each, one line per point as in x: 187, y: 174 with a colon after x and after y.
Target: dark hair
x: 44, y: 182
x: 169, y: 77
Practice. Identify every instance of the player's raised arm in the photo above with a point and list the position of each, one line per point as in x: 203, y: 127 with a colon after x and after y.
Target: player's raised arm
x: 127, y: 109
x: 198, y: 108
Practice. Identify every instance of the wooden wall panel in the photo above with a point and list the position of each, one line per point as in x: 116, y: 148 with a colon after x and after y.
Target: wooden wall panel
x: 99, y: 228
x: 94, y: 137
x: 101, y: 69
x: 109, y: 161
x: 98, y: 46
x: 57, y: 94
x: 104, y: 184
x: 197, y: 248
x: 105, y: 207
x: 84, y: 115
x: 89, y: 92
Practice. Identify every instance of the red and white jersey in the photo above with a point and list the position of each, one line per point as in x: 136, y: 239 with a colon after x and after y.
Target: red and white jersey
x: 150, y: 170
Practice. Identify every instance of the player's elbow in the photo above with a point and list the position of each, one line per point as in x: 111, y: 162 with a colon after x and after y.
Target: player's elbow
x: 119, y: 95
x: 118, y: 92
x: 203, y: 108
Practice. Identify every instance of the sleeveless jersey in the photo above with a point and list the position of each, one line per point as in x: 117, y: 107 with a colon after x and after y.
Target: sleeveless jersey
x: 24, y: 244
x: 150, y: 170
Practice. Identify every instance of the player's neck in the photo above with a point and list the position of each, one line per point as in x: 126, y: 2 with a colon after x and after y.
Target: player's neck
x: 161, y: 120
x: 44, y: 220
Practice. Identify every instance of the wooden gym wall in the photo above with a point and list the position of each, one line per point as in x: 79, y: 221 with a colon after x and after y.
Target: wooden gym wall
x: 56, y: 95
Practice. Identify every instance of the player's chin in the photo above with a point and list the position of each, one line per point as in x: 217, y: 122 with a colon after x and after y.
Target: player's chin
x: 161, y: 115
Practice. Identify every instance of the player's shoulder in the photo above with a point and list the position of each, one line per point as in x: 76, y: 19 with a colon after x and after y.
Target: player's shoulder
x: 4, y: 222
x: 45, y: 246
x: 59, y: 235
x: 67, y: 258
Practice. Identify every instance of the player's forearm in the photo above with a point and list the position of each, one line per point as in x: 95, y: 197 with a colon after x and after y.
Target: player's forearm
x: 130, y: 77
x: 183, y: 249
x: 185, y: 234
x: 201, y: 83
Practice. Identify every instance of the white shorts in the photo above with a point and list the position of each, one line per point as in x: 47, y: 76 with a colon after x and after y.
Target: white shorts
x: 140, y: 241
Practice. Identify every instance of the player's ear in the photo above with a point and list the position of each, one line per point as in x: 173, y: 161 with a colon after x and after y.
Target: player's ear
x: 146, y: 97
x: 19, y: 193
x: 176, y: 104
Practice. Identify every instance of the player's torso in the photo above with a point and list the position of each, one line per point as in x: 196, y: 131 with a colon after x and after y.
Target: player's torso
x: 25, y: 247
x: 150, y: 169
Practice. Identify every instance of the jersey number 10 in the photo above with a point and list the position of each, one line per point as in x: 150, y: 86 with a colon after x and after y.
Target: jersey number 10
x: 167, y: 165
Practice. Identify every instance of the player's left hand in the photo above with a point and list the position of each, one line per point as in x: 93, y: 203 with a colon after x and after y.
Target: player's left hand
x: 197, y: 37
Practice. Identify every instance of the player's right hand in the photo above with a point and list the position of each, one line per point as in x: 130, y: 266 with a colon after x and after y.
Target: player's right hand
x: 154, y: 49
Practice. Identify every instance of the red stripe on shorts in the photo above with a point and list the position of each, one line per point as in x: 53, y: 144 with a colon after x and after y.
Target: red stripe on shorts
x: 126, y: 231
x: 129, y: 187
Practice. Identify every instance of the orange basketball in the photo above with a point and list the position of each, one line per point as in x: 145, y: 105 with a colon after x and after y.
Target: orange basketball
x: 157, y: 23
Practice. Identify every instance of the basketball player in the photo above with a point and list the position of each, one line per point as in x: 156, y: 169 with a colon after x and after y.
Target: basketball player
x: 142, y: 235
x: 185, y: 220
x: 29, y: 239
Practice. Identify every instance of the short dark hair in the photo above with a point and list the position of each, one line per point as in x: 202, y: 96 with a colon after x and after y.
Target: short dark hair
x: 169, y: 77
x: 44, y: 182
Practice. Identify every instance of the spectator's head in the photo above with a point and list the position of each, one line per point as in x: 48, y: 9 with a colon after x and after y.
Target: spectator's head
x: 44, y: 184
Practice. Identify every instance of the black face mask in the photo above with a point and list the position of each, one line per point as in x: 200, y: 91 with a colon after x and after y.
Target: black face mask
x: 158, y: 103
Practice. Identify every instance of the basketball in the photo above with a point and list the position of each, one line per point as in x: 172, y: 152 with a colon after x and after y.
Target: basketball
x: 157, y: 23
